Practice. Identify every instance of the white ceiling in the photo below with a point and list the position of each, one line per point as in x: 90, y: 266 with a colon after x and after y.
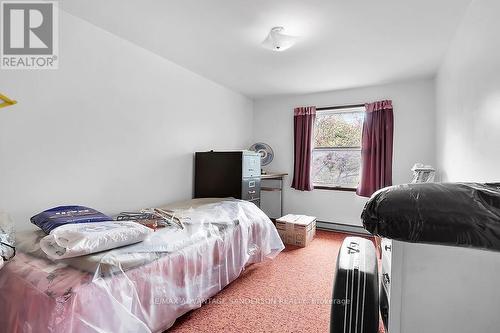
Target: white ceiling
x: 343, y: 44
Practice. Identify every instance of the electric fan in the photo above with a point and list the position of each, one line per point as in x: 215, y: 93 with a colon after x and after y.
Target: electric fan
x: 265, y: 151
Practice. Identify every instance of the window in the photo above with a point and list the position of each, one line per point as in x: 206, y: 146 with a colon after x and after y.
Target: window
x: 336, y: 157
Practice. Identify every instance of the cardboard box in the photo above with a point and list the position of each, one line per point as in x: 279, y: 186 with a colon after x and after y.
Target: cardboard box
x: 296, y: 230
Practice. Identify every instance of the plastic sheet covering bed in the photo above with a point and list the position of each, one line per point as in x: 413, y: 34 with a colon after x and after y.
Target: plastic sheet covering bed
x: 456, y: 214
x: 7, y: 249
x: 142, y: 287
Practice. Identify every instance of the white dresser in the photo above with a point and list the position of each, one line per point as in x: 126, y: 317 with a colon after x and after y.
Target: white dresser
x: 440, y: 289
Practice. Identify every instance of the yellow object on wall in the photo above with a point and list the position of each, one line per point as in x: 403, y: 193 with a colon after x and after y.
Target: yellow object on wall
x: 6, y: 101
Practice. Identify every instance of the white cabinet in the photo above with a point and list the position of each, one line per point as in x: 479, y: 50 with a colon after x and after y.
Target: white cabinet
x: 439, y: 289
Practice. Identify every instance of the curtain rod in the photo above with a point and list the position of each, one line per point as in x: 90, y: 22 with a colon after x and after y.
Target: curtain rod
x: 340, y: 107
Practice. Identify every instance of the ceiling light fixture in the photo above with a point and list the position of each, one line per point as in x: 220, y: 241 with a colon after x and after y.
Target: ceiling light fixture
x: 278, y: 41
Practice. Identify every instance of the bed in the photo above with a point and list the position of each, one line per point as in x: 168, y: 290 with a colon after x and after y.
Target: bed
x: 138, y: 288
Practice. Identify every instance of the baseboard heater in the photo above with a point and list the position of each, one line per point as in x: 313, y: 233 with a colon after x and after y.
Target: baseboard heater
x: 345, y: 228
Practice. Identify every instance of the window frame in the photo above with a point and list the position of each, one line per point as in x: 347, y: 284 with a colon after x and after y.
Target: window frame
x: 337, y: 110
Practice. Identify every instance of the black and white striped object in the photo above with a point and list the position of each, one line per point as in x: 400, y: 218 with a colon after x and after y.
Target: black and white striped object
x: 355, y: 301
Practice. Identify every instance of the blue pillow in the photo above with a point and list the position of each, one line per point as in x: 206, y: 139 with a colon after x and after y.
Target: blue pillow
x: 55, y: 217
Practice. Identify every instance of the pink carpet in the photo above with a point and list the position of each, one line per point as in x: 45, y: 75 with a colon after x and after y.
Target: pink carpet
x: 288, y: 294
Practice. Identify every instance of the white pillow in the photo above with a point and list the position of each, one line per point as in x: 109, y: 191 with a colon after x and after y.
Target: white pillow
x: 73, y: 240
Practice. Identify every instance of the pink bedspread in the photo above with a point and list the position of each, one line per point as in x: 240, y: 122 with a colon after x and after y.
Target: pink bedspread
x: 37, y: 295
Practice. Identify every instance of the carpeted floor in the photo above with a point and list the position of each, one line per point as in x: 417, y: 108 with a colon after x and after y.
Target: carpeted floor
x: 289, y: 294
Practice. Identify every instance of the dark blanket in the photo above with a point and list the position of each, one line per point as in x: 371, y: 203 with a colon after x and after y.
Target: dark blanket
x: 456, y: 214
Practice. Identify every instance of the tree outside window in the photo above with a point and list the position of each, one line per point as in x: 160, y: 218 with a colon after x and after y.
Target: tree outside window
x: 336, y: 158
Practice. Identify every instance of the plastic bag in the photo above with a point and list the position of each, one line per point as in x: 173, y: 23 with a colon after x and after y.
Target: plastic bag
x: 52, y: 218
x: 78, y: 239
x: 456, y: 214
x: 7, y: 249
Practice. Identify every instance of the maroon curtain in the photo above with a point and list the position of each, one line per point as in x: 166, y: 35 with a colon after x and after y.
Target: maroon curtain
x: 376, y: 148
x: 303, y: 126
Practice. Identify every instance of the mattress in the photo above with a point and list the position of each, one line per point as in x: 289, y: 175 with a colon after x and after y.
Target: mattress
x: 142, y: 287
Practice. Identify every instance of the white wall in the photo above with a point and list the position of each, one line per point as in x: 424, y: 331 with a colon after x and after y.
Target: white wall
x: 414, y: 108
x: 113, y: 128
x: 468, y: 98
